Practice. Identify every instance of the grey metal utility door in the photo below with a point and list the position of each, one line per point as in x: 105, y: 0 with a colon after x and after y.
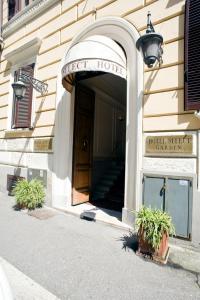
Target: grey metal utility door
x: 173, y: 196
x: 153, y: 192
x: 178, y: 205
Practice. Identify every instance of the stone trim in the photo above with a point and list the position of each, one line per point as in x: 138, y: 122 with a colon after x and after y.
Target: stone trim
x: 24, y: 16
x: 28, y: 50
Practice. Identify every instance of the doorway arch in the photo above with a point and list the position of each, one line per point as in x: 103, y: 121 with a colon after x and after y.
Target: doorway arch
x: 126, y: 35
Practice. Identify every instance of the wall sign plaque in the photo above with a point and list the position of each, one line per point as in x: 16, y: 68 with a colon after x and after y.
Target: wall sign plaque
x: 43, y: 145
x: 172, y: 144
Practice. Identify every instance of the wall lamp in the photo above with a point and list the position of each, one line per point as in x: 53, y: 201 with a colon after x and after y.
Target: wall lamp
x: 19, y: 87
x: 150, y: 45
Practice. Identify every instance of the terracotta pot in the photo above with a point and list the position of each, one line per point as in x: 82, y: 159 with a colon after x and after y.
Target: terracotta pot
x: 162, y: 250
x: 146, y: 248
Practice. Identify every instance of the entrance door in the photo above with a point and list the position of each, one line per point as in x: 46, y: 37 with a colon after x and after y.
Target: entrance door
x: 83, y: 144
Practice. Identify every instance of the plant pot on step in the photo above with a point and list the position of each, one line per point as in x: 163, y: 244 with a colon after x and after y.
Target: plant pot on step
x: 154, y: 228
x: 144, y: 247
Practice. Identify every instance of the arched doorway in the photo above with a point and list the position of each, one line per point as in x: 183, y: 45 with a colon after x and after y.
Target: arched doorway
x: 126, y: 35
x: 96, y: 67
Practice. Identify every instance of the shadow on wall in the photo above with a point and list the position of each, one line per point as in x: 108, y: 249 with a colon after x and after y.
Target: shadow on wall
x: 172, y: 2
x: 7, y: 70
x: 63, y: 135
x: 183, y: 121
x: 152, y: 77
x: 62, y: 148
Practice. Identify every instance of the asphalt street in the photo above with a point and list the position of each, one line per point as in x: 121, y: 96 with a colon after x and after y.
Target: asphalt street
x: 79, y: 259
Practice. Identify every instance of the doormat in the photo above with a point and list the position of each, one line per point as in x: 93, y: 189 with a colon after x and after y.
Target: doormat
x: 88, y: 216
x: 42, y: 213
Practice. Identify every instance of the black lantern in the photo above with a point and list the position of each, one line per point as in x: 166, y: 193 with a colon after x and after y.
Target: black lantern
x: 150, y: 45
x: 19, y: 89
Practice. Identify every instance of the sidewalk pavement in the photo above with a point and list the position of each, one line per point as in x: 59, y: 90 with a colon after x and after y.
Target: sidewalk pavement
x: 186, y: 259
x: 51, y: 254
x: 23, y: 287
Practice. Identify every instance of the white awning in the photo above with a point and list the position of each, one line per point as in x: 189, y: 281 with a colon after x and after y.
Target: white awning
x: 95, y: 53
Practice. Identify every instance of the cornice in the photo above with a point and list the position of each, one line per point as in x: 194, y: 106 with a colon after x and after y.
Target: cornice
x: 24, y: 52
x: 24, y: 16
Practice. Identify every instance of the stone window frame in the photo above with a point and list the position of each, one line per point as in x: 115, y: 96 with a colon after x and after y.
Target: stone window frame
x: 24, y: 55
x: 25, y: 15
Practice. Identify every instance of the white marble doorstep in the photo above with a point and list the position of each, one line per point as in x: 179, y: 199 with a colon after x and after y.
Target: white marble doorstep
x: 90, y: 211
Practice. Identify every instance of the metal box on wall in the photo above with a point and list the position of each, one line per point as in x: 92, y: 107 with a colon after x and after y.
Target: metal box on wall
x: 172, y: 195
x: 11, y: 183
x: 39, y: 174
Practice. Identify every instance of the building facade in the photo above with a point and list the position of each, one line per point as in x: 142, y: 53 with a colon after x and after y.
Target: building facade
x: 109, y: 130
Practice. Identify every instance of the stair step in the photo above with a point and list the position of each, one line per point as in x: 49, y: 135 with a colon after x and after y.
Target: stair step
x: 102, y: 188
x: 113, y: 172
x: 115, y: 198
x: 110, y: 189
x: 107, y: 182
x: 97, y: 196
x: 118, y: 163
x: 117, y: 167
x: 110, y: 177
x: 116, y: 194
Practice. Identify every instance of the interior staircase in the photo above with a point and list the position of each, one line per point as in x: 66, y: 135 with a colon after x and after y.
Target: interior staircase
x: 109, y: 192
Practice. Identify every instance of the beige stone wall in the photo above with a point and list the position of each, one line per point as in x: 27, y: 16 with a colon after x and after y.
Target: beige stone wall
x: 163, y: 87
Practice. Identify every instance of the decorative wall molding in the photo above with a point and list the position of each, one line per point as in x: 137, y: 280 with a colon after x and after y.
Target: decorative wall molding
x: 26, y: 159
x: 173, y: 165
x: 28, y: 50
x: 26, y: 145
x: 24, y: 16
x: 16, y: 145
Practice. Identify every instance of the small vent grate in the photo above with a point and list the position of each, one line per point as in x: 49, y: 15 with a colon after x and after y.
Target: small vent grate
x: 11, y: 183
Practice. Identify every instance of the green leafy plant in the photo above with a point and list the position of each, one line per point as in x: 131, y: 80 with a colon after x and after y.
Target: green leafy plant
x: 153, y: 223
x: 29, y: 194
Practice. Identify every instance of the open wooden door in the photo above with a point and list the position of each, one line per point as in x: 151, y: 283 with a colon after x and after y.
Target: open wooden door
x: 83, y: 144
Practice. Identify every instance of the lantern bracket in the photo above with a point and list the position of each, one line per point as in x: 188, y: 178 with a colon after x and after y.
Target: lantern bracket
x: 150, y: 27
x: 38, y: 85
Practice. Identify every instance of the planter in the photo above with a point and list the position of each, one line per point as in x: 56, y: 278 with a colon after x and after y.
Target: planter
x: 154, y: 227
x: 159, y: 254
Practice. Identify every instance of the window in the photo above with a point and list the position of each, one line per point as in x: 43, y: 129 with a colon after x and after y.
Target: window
x: 14, y: 6
x: 192, y: 61
x: 21, y: 117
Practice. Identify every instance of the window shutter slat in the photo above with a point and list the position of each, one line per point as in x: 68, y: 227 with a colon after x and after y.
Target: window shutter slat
x: 192, y: 59
x: 22, y: 115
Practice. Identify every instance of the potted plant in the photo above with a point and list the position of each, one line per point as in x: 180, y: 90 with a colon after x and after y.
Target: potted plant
x: 154, y: 227
x: 29, y: 194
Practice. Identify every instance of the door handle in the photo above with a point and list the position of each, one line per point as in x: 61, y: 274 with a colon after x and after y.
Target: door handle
x: 85, y: 144
x: 163, y: 189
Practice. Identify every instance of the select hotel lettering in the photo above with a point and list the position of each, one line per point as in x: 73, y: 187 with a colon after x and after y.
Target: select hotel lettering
x: 94, y: 65
x: 169, y: 144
